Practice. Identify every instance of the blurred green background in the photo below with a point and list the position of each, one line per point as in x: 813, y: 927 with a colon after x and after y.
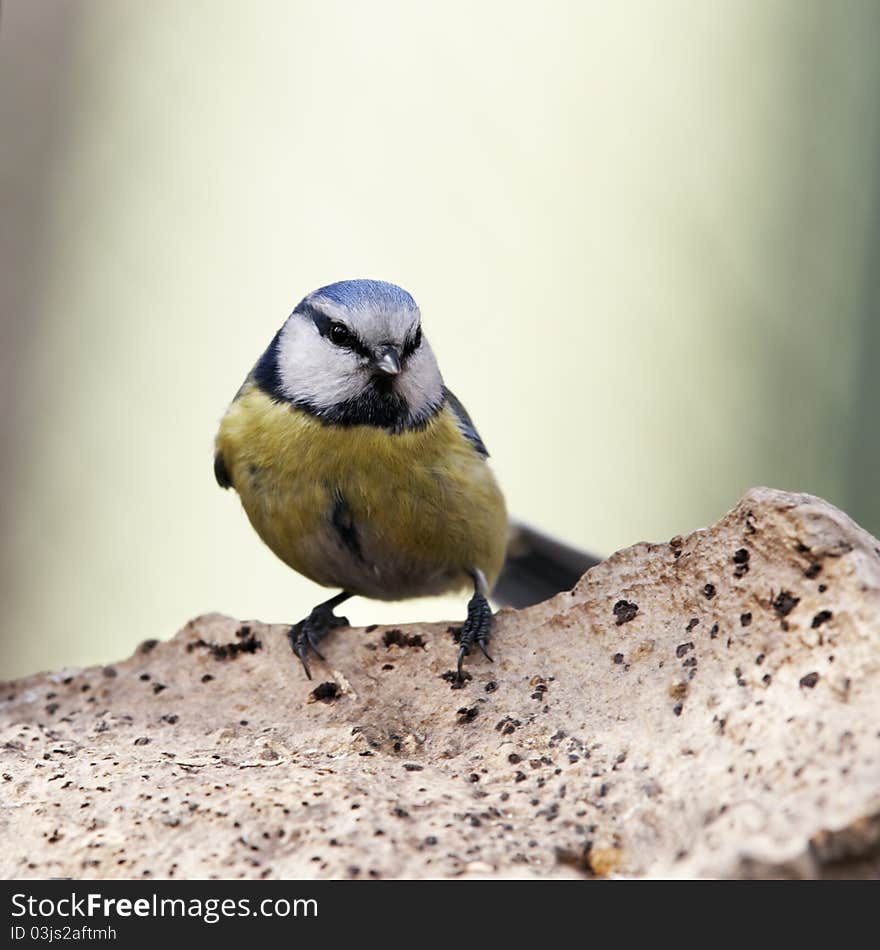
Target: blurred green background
x: 643, y: 236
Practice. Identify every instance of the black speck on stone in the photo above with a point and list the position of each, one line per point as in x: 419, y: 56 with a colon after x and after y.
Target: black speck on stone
x: 713, y: 633
x: 399, y: 638
x: 326, y: 692
x: 813, y: 570
x: 745, y: 619
x: 692, y: 623
x: 785, y: 602
x: 247, y: 643
x: 741, y: 556
x: 148, y: 646
x: 142, y: 740
x: 454, y: 680
x: 109, y: 672
x: 491, y: 686
x: 513, y: 758
x: 809, y: 681
x: 823, y: 588
x: 624, y: 611
x: 412, y: 767
x: 683, y: 648
x: 207, y: 678
x: 618, y: 658
x: 822, y: 617
x: 467, y: 714
x: 677, y: 708
x: 709, y: 591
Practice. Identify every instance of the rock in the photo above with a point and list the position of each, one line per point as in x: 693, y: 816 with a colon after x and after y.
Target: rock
x: 701, y: 708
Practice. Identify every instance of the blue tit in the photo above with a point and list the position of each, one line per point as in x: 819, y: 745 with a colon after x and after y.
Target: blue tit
x: 361, y: 470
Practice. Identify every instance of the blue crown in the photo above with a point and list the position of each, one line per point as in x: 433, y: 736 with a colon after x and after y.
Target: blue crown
x: 377, y: 294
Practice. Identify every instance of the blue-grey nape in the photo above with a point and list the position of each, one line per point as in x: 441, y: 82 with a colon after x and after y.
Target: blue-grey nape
x: 362, y: 293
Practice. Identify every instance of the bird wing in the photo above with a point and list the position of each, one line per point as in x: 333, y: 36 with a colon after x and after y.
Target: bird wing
x: 465, y: 423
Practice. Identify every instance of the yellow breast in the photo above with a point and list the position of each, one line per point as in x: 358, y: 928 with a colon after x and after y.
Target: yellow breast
x: 379, y: 514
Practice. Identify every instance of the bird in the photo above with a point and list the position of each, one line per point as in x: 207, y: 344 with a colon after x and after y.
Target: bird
x: 361, y: 470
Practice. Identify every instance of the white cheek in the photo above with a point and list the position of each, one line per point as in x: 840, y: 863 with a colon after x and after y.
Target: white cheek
x: 421, y: 384
x: 312, y: 369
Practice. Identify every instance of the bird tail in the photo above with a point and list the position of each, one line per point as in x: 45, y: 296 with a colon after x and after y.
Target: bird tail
x: 538, y: 567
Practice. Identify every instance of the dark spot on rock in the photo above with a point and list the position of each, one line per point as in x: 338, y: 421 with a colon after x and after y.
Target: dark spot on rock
x: 822, y: 617
x: 158, y: 687
x: 683, y: 648
x: 413, y: 767
x: 467, y: 714
x: 709, y: 591
x: 169, y: 718
x: 144, y: 677
x: 109, y: 672
x: 148, y: 646
x: 745, y: 619
x: 741, y: 562
x: 713, y: 633
x: 400, y: 639
x: 371, y: 628
x: 693, y: 622
x: 519, y: 777
x: 207, y: 678
x: 677, y: 708
x: 624, y: 611
x: 491, y: 686
x: 142, y: 740
x: 455, y: 633
x: 247, y: 643
x: 785, y: 602
x: 813, y: 570
x: 513, y: 758
x: 507, y: 726
x: 759, y: 659
x: 456, y: 681
x: 618, y: 658
x: 326, y: 692
x: 809, y: 681
x: 823, y: 588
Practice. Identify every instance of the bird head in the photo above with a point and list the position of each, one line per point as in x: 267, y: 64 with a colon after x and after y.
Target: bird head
x: 354, y: 353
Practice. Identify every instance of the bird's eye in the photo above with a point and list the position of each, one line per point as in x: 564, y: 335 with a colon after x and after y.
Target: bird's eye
x: 339, y: 334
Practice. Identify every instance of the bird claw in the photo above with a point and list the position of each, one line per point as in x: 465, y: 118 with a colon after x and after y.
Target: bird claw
x: 475, y: 630
x: 306, y: 634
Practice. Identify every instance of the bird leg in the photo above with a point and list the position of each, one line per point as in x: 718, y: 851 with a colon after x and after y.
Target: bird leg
x: 478, y: 624
x: 308, y: 633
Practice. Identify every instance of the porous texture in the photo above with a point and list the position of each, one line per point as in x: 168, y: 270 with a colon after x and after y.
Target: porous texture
x: 703, y: 707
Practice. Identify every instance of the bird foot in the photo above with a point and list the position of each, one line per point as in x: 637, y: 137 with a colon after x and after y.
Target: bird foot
x: 308, y: 633
x: 476, y: 629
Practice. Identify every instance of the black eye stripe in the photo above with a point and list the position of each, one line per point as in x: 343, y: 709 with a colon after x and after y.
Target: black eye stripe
x: 325, y: 327
x: 413, y: 343
x: 326, y: 324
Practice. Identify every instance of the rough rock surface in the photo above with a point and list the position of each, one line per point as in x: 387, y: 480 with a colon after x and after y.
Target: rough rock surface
x: 703, y: 707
